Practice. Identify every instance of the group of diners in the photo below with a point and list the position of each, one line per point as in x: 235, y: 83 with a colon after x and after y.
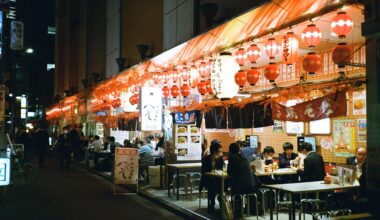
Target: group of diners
x: 309, y: 166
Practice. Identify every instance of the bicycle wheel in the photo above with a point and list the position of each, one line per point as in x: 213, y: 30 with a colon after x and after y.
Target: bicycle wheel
x: 26, y: 175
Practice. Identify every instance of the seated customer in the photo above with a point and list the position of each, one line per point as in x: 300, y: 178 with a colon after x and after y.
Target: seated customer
x: 314, y: 166
x: 146, y: 157
x: 211, y: 162
x: 243, y: 180
x: 247, y: 151
x: 267, y: 155
x: 288, y: 157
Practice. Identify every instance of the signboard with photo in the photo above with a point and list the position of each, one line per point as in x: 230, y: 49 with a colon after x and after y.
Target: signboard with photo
x: 344, y: 137
x: 188, y: 142
x: 126, y: 165
x: 151, y: 109
x: 359, y: 103
x: 252, y: 141
x: 362, y: 130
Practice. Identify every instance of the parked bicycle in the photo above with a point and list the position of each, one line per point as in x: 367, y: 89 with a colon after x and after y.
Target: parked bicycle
x: 23, y: 173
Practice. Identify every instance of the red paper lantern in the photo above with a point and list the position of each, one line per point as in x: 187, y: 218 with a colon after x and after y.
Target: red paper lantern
x: 132, y: 100
x: 290, y: 49
x: 240, y: 56
x: 202, y: 87
x: 272, y: 48
x: 137, y: 98
x: 240, y: 78
x: 174, y: 91
x: 202, y: 69
x: 271, y: 72
x: 311, y: 35
x: 253, y: 76
x: 165, y: 91
x: 194, y: 76
x: 116, y: 103
x: 342, y: 54
x: 312, y: 63
x: 342, y: 24
x: 185, y: 90
x: 208, y: 86
x: 253, y: 53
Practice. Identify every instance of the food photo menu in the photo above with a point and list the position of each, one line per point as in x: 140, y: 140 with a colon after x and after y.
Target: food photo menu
x: 188, y: 142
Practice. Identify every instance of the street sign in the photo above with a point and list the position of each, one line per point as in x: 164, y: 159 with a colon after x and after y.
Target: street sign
x: 17, y: 35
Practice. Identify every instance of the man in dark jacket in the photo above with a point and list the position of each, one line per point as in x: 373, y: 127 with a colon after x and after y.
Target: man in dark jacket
x: 243, y: 180
x: 64, y: 149
x: 211, y: 162
x: 314, y: 166
x: 41, y: 144
x: 287, y: 157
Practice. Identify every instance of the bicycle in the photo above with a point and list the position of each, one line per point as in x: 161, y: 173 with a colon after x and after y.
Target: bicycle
x: 23, y: 173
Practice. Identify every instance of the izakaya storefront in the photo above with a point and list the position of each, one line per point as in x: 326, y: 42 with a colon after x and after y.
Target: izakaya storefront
x: 288, y: 71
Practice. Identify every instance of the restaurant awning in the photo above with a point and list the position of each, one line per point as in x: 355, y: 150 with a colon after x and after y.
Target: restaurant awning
x: 259, y: 22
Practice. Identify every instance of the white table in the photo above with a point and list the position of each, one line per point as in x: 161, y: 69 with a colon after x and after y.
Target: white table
x: 279, y: 172
x: 308, y: 187
x: 179, y: 166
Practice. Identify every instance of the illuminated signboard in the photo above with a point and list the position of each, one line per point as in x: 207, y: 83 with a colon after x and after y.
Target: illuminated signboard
x: 151, y: 108
x: 4, y: 171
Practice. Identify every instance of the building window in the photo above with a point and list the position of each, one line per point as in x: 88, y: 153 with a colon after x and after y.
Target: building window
x: 51, y: 30
x: 50, y: 66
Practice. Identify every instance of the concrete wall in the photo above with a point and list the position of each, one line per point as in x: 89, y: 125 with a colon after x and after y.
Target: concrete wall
x: 142, y: 24
x: 112, y: 36
x: 178, y: 22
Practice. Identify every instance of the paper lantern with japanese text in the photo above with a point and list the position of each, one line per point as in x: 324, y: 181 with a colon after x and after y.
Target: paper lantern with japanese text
x: 241, y: 78
x: 342, y: 54
x: 253, y: 53
x: 311, y: 35
x: 253, y: 76
x: 272, y: 48
x: 185, y: 90
x: 342, y: 24
x: 271, y: 72
x: 202, y: 69
x: 240, y: 56
x: 174, y: 91
x: 312, y: 63
x: 223, y: 73
x: 290, y: 49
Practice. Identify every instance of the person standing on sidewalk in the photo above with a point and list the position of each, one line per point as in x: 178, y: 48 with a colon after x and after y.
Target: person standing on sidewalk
x: 74, y: 141
x: 64, y: 149
x: 41, y: 144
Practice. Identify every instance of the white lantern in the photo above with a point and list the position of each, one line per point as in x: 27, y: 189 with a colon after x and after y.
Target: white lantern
x: 223, y: 72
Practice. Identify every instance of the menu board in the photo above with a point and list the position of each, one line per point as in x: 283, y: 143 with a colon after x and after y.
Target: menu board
x: 322, y: 126
x: 188, y: 142
x: 126, y: 165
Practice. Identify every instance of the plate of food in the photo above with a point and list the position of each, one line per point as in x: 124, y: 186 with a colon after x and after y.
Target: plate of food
x: 182, y: 139
x: 182, y: 152
x: 194, y: 130
x: 195, y: 139
x: 182, y: 129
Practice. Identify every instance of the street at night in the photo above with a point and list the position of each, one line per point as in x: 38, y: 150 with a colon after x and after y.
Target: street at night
x: 75, y: 194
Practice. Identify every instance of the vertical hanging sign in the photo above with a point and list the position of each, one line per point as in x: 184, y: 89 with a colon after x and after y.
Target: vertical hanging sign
x: 17, y: 35
x: 151, y: 109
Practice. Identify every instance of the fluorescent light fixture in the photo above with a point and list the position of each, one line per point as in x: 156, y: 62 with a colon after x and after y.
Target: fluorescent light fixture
x: 31, y: 114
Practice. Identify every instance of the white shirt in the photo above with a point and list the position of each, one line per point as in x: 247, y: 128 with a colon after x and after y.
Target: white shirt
x: 98, y: 145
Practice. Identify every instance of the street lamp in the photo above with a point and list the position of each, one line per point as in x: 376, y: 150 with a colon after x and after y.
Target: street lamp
x: 29, y: 51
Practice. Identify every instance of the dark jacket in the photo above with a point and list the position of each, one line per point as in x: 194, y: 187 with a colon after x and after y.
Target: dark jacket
x: 351, y: 161
x: 314, y: 168
x: 285, y: 161
x: 243, y: 180
x: 41, y: 140
x: 207, y: 167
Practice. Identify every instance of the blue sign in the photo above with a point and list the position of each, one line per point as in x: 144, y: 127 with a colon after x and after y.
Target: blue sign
x: 185, y: 118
